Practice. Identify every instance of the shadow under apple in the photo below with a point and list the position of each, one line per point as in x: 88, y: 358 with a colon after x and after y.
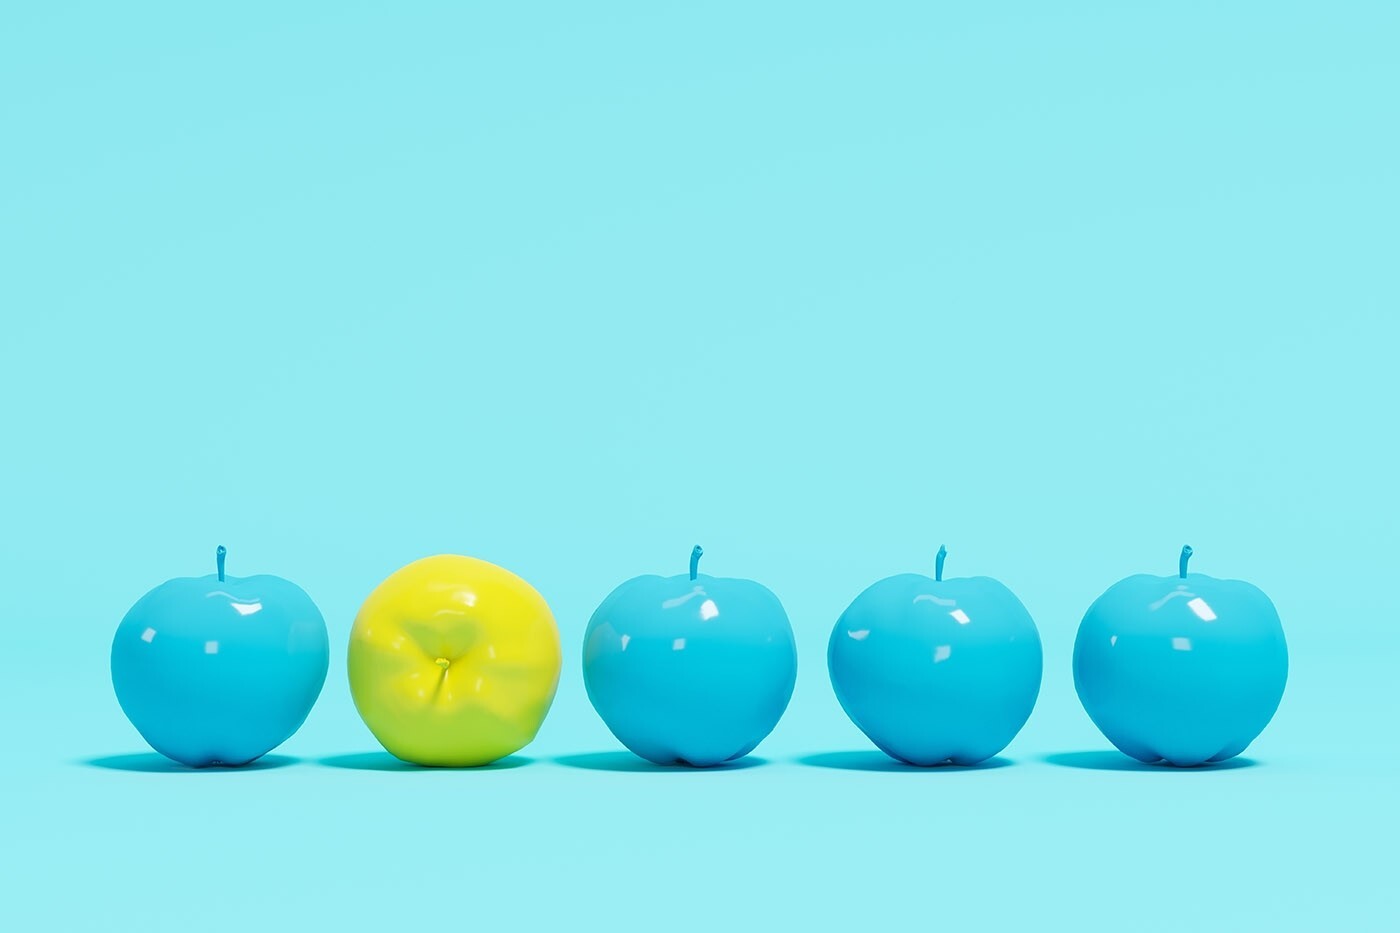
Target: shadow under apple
x: 155, y: 763
x: 626, y: 762
x: 879, y: 761
x: 1117, y: 761
x: 383, y: 761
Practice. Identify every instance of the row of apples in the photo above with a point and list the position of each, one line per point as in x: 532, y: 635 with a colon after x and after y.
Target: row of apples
x: 454, y: 662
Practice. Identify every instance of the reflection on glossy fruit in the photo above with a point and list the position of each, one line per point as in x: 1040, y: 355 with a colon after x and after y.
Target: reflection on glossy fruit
x: 690, y: 669
x: 936, y: 670
x: 453, y: 662
x: 1185, y: 669
x: 220, y: 669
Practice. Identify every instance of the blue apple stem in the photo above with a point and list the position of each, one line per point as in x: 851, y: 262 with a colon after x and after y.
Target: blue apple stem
x: 938, y: 563
x: 695, y: 553
x: 1185, y: 556
x: 219, y: 560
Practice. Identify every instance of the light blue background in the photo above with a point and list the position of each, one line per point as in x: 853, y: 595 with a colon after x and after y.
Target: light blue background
x: 571, y: 287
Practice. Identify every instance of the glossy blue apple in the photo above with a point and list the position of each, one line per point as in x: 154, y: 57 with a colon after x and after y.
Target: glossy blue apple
x: 690, y: 669
x: 220, y: 670
x: 1186, y: 669
x: 936, y: 671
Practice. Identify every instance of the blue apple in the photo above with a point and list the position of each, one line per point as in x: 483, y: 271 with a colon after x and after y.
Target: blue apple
x: 220, y: 670
x: 936, y: 671
x: 1185, y: 669
x: 690, y: 669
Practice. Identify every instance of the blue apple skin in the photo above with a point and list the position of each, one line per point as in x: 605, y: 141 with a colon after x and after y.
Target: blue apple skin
x: 692, y: 670
x: 927, y: 687
x: 1186, y: 669
x: 218, y: 671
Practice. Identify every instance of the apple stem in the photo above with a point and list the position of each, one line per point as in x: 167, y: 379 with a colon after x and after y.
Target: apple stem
x: 695, y: 553
x: 1186, y: 553
x: 219, y: 561
x: 938, y: 563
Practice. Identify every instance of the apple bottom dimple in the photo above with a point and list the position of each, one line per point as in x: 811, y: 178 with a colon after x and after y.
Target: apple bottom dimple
x: 698, y: 737
x: 1187, y: 713
x: 935, y: 760
x: 212, y: 760
x: 927, y: 707
x: 700, y: 715
x: 918, y: 730
x: 1177, y: 740
x: 695, y: 758
x: 939, y: 751
x: 1178, y: 757
x: 201, y: 712
x: 201, y: 734
x: 664, y: 756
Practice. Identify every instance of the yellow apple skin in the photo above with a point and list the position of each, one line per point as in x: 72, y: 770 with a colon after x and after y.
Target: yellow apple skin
x: 453, y: 662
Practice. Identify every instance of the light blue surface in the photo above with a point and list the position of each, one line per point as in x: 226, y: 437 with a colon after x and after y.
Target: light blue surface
x: 691, y: 669
x: 1187, y: 668
x: 572, y: 286
x: 936, y: 669
x: 220, y: 669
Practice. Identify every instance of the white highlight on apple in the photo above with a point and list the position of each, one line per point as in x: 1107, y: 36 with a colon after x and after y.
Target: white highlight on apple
x: 678, y: 644
x: 1202, y: 609
x: 246, y: 609
x: 1192, y: 600
x: 625, y: 640
x: 942, y: 653
x: 682, y: 600
x: 960, y: 616
x: 1181, y: 644
x: 859, y: 634
x: 936, y: 600
x: 148, y: 635
x: 211, y: 647
x: 708, y: 610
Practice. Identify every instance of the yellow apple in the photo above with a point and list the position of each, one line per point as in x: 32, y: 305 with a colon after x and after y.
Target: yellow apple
x: 453, y: 662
